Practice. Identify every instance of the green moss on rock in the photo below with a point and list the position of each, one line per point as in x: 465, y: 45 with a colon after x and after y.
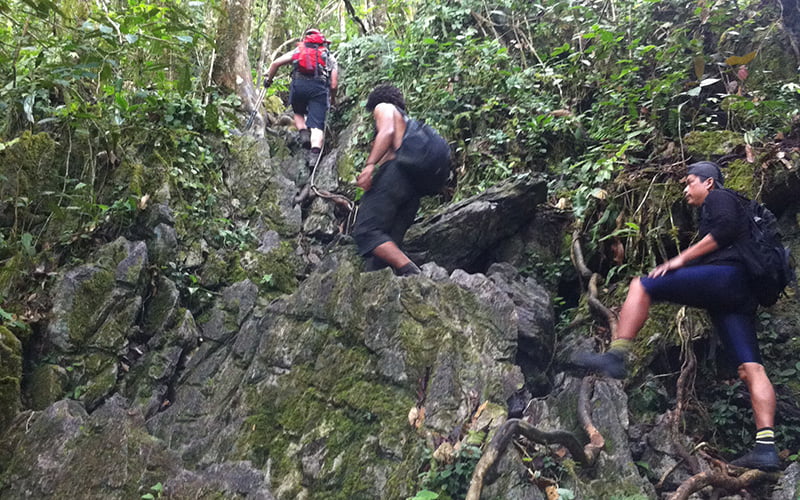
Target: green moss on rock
x: 708, y: 144
x: 27, y: 166
x: 334, y: 412
x: 47, y: 385
x: 739, y: 177
x: 10, y: 375
x: 92, y: 291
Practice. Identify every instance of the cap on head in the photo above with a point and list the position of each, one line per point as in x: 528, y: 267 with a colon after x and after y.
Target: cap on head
x: 314, y: 35
x: 707, y: 170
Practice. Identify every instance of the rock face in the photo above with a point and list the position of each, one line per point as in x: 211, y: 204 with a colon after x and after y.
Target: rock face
x: 95, y: 309
x: 460, y: 235
x: 63, y: 452
x: 317, y: 387
x: 346, y: 386
x: 305, y: 397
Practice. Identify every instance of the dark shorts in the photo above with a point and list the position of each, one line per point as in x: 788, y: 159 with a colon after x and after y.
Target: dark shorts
x: 309, y: 97
x: 387, y: 210
x: 721, y: 290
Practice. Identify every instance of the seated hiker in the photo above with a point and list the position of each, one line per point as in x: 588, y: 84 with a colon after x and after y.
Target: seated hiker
x: 407, y: 161
x: 315, y: 78
x: 711, y: 275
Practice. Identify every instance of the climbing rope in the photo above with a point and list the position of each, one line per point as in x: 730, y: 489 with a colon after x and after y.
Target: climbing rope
x: 339, y: 199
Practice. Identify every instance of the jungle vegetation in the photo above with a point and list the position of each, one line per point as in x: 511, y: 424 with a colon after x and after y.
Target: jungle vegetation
x: 103, y: 102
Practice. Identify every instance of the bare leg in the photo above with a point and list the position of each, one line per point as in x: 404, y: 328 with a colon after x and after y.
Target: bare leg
x: 317, y: 137
x: 762, y: 394
x: 631, y: 319
x: 634, y: 311
x: 299, y: 121
x: 764, y: 455
x: 390, y: 253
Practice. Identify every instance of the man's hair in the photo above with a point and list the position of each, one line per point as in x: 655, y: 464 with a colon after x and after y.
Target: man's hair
x: 385, y: 93
x: 707, y: 170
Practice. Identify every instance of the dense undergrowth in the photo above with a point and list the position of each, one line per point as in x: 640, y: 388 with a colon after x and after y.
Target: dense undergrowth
x: 107, y: 105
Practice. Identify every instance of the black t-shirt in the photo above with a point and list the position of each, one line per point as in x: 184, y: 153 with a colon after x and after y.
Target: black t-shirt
x: 723, y: 217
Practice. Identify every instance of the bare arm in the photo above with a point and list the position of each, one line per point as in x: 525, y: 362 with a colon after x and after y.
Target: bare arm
x: 334, y: 80
x: 334, y: 83
x: 384, y: 122
x: 705, y: 246
x: 277, y: 63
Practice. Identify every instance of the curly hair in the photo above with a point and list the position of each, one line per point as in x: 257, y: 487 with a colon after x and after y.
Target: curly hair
x: 385, y: 93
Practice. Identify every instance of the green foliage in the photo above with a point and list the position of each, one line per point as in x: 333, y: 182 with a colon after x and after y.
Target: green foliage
x: 424, y: 495
x: 157, y: 489
x: 11, y: 321
x: 450, y: 479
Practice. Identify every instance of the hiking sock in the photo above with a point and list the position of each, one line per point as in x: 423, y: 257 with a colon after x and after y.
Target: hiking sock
x: 621, y: 345
x: 765, y: 435
x: 763, y: 455
x: 408, y: 270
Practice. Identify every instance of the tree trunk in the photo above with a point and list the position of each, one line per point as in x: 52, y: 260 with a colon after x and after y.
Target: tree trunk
x: 275, y: 9
x: 232, y: 67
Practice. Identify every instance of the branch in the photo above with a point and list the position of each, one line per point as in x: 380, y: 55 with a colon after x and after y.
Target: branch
x: 350, y: 10
x: 685, y: 383
x: 607, y: 314
x: 509, y: 430
x: 721, y: 480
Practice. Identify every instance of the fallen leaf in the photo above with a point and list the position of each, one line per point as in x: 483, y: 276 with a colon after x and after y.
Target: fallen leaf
x: 737, y: 60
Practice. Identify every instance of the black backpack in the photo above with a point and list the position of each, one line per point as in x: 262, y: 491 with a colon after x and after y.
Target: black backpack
x: 424, y: 157
x: 767, y: 261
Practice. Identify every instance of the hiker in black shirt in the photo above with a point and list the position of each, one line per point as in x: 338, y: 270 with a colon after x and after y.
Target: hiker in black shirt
x: 711, y: 275
x: 390, y: 201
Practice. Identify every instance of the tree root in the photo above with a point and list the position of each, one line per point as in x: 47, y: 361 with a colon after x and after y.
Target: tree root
x: 514, y: 427
x: 595, y: 305
x: 719, y: 479
x: 596, y: 440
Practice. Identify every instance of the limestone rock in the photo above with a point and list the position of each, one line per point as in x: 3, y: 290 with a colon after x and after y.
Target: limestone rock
x: 458, y: 236
x: 10, y: 375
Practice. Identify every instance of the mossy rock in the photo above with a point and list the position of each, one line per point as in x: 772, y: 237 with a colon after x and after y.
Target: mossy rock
x: 28, y: 167
x: 706, y: 145
x: 48, y: 384
x: 739, y: 176
x: 10, y: 375
x: 354, y: 412
x: 274, y: 105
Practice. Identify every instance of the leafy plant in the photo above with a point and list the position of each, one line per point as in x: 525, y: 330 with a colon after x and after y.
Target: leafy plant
x: 157, y: 489
x: 424, y: 495
x: 450, y: 479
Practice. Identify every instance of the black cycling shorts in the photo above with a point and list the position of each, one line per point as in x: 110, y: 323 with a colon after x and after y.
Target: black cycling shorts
x: 309, y: 97
x: 386, y: 210
x: 724, y: 292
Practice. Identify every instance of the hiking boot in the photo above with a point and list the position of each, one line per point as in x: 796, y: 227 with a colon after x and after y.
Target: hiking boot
x: 610, y: 364
x: 763, y: 457
x: 311, y: 158
x: 304, y: 138
x: 409, y: 269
